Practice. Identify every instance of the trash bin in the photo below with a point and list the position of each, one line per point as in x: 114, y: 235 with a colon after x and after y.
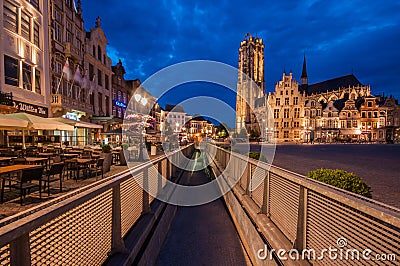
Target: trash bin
x: 153, y: 150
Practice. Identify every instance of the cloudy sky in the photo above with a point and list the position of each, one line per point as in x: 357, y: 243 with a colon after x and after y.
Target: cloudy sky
x: 338, y: 37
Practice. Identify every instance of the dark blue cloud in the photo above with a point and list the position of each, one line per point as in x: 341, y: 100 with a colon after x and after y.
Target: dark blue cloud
x: 338, y: 37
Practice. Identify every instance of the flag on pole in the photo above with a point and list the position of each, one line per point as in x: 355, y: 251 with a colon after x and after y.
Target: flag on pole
x: 66, y: 70
x: 92, y: 84
x: 85, y: 80
x: 78, y: 76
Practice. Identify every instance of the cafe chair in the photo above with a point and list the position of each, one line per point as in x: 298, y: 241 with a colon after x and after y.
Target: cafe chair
x: 54, y: 174
x: 29, y: 178
x: 97, y: 168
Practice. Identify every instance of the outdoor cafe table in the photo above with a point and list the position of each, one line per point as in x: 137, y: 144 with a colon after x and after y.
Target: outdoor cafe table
x: 36, y: 160
x: 47, y: 155
x: 81, y: 163
x: 11, y: 169
x: 6, y: 160
x: 69, y: 155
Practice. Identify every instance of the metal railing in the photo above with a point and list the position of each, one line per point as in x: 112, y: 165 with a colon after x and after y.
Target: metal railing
x: 59, y: 100
x: 85, y: 226
x: 313, y: 215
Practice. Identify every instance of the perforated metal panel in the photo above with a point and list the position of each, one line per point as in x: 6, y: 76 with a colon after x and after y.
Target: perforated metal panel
x: 284, y: 202
x: 329, y: 220
x: 81, y: 236
x: 5, y: 255
x: 257, y: 188
x: 131, y: 203
x: 244, y: 172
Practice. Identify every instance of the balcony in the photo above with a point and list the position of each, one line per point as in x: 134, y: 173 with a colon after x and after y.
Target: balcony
x: 59, y: 102
x: 71, y: 51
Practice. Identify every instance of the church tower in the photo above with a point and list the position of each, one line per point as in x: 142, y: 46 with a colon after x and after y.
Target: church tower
x: 251, y: 84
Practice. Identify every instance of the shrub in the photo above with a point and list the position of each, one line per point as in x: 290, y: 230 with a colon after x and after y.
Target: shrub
x: 341, y: 179
x: 125, y: 146
x: 256, y: 156
x: 106, y: 148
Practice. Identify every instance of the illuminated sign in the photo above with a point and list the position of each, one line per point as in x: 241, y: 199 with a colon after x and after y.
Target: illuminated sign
x: 117, y: 103
x: 31, y: 108
x: 72, y: 116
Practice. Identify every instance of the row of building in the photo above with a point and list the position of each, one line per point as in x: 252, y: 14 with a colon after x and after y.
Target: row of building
x: 339, y: 109
x: 53, y: 67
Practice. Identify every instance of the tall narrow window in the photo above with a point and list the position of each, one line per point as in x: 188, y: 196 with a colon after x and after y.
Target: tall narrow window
x: 10, y: 17
x: 36, y: 34
x: 11, y: 70
x: 25, y: 26
x: 37, y: 82
x: 35, y: 3
x: 100, y: 99
x: 99, y: 52
x: 91, y: 72
x: 106, y: 81
x: 99, y: 78
x: 57, y: 32
x: 27, y: 76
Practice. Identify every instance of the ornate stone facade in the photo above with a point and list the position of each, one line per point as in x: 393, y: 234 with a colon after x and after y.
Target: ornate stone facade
x: 339, y: 109
x: 250, y: 82
x: 24, y: 54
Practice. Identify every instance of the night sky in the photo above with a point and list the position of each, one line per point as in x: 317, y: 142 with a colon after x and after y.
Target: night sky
x: 338, y: 37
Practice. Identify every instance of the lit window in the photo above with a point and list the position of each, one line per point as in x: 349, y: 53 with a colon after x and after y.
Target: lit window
x: 10, y: 17
x: 25, y: 26
x: 36, y: 34
x: 11, y: 70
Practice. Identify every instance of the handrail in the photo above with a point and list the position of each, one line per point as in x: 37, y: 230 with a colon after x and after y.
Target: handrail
x: 22, y: 236
x: 309, y: 214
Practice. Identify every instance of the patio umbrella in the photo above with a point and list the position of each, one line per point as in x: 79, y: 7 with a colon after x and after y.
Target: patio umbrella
x: 9, y: 123
x: 37, y: 122
x: 75, y: 123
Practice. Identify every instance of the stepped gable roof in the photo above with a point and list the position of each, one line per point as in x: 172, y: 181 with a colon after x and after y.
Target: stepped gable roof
x: 333, y: 84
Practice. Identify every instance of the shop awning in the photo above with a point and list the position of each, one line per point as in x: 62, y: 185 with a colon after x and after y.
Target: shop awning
x: 36, y: 122
x: 349, y: 132
x: 75, y: 123
x: 9, y: 123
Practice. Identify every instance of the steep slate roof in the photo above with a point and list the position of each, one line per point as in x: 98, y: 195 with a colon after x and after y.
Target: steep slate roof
x: 333, y: 84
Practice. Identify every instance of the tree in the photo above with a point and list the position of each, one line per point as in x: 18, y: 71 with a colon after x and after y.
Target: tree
x: 254, y: 134
x: 341, y: 179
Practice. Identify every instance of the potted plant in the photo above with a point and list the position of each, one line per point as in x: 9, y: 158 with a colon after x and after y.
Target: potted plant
x: 121, y: 153
x: 106, y: 149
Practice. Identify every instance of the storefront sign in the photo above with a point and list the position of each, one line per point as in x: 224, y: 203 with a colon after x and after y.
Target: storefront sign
x: 31, y: 108
x: 119, y: 104
x: 72, y: 116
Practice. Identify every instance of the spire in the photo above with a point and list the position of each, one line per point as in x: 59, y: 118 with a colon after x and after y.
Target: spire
x: 98, y: 22
x: 79, y: 7
x: 304, y: 77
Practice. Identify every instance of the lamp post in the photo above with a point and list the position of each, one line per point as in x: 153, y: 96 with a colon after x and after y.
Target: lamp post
x: 140, y: 99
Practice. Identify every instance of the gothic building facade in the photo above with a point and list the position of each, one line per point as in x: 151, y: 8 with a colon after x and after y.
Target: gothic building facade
x: 339, y: 109
x: 251, y: 83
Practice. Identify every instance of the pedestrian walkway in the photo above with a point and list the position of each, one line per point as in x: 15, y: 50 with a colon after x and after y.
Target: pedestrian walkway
x: 202, y: 235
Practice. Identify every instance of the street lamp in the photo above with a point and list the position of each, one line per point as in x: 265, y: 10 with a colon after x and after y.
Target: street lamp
x: 140, y: 99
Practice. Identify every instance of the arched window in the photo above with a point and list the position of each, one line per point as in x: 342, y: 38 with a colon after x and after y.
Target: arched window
x: 99, y: 52
x: 312, y: 104
x: 94, y: 51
